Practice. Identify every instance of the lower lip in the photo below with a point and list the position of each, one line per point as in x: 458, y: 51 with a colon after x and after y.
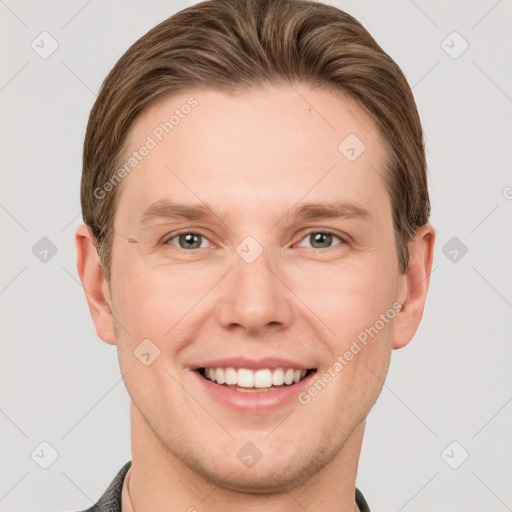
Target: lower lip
x: 254, y: 401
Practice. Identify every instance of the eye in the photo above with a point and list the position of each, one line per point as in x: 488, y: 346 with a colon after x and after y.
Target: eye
x: 320, y: 239
x: 188, y: 240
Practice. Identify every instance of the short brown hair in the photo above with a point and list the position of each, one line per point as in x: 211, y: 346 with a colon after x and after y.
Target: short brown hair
x: 230, y: 45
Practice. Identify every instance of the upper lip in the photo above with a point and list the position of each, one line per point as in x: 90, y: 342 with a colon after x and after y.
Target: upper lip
x: 253, y: 364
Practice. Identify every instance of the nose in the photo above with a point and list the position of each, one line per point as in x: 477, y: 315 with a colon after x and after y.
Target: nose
x: 254, y: 297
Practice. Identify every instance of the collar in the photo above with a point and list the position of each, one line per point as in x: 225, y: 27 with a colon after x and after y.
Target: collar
x: 117, y: 499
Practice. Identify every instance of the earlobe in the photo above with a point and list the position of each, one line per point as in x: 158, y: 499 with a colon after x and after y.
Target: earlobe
x: 94, y: 284
x: 414, y: 286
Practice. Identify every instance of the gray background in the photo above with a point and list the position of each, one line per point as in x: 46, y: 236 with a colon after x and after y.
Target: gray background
x: 61, y: 385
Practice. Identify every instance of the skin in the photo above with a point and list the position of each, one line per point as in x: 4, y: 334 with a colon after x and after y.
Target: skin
x: 251, y: 157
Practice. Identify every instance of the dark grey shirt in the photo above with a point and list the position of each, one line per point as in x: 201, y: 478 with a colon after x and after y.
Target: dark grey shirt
x: 111, y: 499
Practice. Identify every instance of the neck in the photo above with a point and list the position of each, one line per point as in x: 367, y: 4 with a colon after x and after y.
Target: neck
x: 159, y: 481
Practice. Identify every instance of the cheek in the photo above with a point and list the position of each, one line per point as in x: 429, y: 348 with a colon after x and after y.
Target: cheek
x: 349, y: 299
x: 159, y: 304
x: 142, y: 307
x: 362, y: 312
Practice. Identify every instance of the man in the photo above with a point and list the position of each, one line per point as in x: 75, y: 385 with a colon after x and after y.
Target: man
x: 256, y: 242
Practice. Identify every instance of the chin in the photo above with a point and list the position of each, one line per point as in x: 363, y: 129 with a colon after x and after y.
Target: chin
x: 268, y: 475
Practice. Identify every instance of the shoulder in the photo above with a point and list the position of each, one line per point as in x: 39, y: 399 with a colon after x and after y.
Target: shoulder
x: 110, y: 501
x: 361, y: 502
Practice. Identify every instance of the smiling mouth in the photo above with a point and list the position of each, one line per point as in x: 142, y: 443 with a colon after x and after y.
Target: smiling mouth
x: 254, y: 381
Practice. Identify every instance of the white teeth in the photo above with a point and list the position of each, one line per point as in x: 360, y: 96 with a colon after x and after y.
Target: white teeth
x: 220, y: 376
x: 288, y: 376
x: 278, y: 377
x: 230, y: 376
x: 262, y: 379
x: 245, y: 378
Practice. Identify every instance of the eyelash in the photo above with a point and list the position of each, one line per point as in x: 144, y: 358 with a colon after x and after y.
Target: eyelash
x: 342, y: 240
x: 166, y: 240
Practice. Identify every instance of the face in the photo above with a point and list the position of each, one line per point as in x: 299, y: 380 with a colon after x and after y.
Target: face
x: 278, y: 260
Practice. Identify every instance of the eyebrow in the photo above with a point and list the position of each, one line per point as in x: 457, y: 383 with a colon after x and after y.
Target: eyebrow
x: 330, y: 210
x: 168, y: 210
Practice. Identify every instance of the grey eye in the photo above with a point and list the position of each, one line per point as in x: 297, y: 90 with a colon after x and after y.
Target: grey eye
x: 320, y: 240
x: 189, y: 240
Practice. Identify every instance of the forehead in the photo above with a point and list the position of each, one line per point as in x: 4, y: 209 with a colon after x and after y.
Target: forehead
x: 251, y: 151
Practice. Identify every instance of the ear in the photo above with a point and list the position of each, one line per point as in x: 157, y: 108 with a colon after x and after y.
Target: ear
x: 95, y: 285
x: 414, y: 286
